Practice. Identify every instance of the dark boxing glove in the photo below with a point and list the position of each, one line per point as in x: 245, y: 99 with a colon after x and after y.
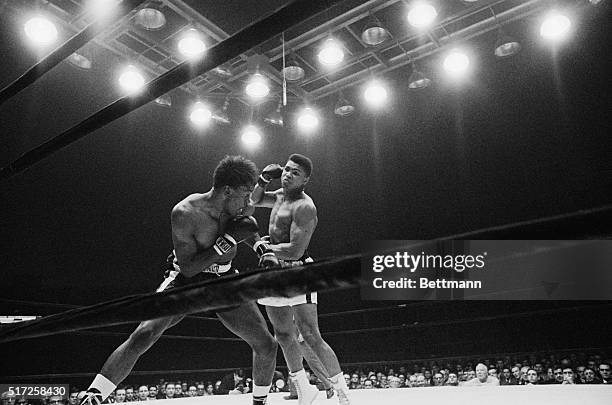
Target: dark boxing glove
x: 269, y: 173
x: 237, y: 230
x: 267, y: 258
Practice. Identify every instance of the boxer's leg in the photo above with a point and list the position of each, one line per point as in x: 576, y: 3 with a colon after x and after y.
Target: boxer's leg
x: 248, y: 323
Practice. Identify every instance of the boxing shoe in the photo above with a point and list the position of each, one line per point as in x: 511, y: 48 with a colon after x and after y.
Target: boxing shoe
x: 90, y: 397
x: 306, y: 394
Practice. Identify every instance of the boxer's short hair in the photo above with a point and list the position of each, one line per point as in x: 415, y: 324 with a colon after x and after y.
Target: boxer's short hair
x: 235, y: 171
x: 303, y: 161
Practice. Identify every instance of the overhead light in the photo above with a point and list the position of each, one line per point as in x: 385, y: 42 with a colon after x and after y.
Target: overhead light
x: 307, y: 120
x: 150, y: 19
x: 331, y: 54
x: 375, y: 94
x: 78, y: 59
x: 343, y: 107
x: 506, y: 46
x: 251, y: 136
x: 417, y: 79
x: 221, y: 116
x: 40, y: 31
x: 222, y: 71
x: 422, y: 15
x: 101, y: 8
x: 131, y: 79
x: 257, y: 87
x: 456, y: 63
x: 164, y: 101
x: 276, y: 118
x: 200, y: 114
x: 293, y: 71
x: 555, y: 27
x: 374, y: 33
x: 191, y: 44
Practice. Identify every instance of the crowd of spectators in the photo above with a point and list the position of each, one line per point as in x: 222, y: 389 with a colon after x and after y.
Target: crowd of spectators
x: 575, y: 368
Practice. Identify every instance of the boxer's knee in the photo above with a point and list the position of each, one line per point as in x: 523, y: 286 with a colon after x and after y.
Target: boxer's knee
x: 285, y: 336
x: 145, y: 335
x: 265, y: 345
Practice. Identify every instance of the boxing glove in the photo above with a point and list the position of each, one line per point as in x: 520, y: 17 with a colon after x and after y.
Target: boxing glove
x: 269, y: 173
x: 267, y: 258
x: 237, y: 230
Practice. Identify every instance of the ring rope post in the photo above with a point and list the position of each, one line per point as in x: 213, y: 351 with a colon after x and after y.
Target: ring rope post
x: 62, y: 52
x: 251, y: 36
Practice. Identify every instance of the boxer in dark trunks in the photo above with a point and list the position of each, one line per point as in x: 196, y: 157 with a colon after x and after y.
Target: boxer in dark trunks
x: 206, y: 229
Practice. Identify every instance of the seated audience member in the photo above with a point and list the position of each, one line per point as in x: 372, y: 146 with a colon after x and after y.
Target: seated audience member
x: 482, y: 377
x: 452, y: 380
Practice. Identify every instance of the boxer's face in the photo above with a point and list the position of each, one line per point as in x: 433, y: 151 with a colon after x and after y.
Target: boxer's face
x: 293, y: 177
x: 237, y: 202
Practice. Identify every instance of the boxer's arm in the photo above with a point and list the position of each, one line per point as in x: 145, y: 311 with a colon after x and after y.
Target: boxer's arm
x: 188, y: 258
x: 302, y: 227
x: 262, y: 198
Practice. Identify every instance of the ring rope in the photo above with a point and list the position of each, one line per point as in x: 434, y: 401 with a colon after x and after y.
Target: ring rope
x: 229, y: 291
x: 62, y: 52
x: 264, y: 29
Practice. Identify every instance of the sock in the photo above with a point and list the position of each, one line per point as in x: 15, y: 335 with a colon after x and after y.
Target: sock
x: 104, y: 385
x: 338, y: 382
x: 300, y: 378
x: 261, y: 390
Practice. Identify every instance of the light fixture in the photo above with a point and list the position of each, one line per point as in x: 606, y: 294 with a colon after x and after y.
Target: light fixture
x: 221, y: 116
x: 131, y: 80
x: 80, y: 60
x: 101, y: 8
x: 276, y: 118
x: 251, y: 136
x: 343, y: 107
x: 257, y: 87
x: 191, y: 44
x: 555, y: 27
x: 307, y: 120
x: 222, y: 71
x: 375, y: 94
x: 456, y: 63
x: 164, y: 101
x: 506, y: 46
x: 417, y: 79
x: 200, y: 114
x: 293, y: 71
x: 374, y: 33
x: 150, y: 18
x: 331, y: 53
x: 40, y: 31
x: 422, y: 15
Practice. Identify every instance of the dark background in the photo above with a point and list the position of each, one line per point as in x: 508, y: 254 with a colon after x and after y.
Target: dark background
x: 524, y: 138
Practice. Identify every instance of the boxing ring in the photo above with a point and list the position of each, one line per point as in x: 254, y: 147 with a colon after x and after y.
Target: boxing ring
x: 325, y: 275
x: 505, y: 395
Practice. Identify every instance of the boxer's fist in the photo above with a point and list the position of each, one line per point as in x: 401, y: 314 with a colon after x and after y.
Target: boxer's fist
x: 267, y: 258
x: 242, y: 228
x: 269, y: 173
x: 237, y: 230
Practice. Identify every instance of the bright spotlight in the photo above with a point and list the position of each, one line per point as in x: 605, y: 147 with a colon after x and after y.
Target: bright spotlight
x: 307, y: 120
x: 191, y: 44
x: 40, y: 31
x: 257, y: 87
x: 331, y: 54
x: 555, y: 27
x: 101, y: 8
x: 375, y: 94
x: 456, y: 63
x: 251, y: 136
x: 422, y: 15
x: 131, y: 80
x: 200, y: 114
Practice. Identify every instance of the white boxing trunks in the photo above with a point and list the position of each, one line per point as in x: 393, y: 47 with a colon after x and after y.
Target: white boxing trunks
x: 309, y: 298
